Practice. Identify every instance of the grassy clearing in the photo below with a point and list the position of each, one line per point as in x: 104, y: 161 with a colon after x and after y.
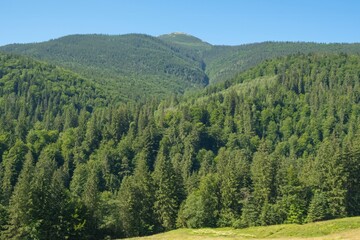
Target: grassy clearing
x: 346, y: 228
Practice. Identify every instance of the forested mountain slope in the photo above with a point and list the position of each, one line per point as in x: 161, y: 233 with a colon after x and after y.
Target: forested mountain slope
x: 279, y: 143
x: 34, y: 92
x: 132, y: 65
x: 223, y: 62
x: 136, y: 66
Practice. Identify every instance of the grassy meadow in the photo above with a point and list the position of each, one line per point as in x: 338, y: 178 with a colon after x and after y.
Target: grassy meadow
x: 346, y: 228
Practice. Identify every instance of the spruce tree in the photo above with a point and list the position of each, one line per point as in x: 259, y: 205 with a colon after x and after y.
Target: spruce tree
x: 168, y: 190
x: 21, y: 204
x: 12, y: 165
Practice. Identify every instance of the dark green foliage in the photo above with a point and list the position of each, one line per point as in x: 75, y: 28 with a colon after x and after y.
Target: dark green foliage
x: 263, y: 170
x: 331, y: 178
x: 234, y: 173
x: 352, y: 167
x: 276, y: 144
x: 168, y: 190
x: 20, y: 204
x: 319, y: 208
x: 12, y: 165
x: 136, y: 202
x: 48, y: 197
x: 36, y: 93
x: 201, y: 208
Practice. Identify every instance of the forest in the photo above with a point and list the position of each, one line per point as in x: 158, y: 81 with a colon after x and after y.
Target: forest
x: 277, y: 143
x: 134, y: 67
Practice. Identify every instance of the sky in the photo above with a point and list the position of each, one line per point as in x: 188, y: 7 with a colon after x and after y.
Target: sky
x: 221, y: 22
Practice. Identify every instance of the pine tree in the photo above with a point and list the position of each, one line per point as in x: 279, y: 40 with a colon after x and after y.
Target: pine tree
x: 263, y: 177
x: 12, y: 164
x: 47, y: 197
x: 128, y: 207
x: 145, y: 186
x: 91, y: 198
x: 202, y: 207
x: 351, y: 159
x: 292, y: 196
x: 318, y: 208
x: 136, y: 197
x: 330, y: 182
x: 21, y: 205
x: 234, y: 169
x: 168, y: 191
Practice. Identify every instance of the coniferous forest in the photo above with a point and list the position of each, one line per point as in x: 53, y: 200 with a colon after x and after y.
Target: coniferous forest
x: 277, y: 143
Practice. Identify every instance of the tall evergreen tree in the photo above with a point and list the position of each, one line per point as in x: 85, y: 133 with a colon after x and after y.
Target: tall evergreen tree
x: 21, y: 205
x: 12, y: 165
x: 168, y: 191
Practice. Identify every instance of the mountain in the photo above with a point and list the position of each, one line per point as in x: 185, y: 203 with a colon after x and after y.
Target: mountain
x: 186, y: 41
x: 277, y: 143
x: 132, y: 66
x: 137, y: 66
x: 224, y: 62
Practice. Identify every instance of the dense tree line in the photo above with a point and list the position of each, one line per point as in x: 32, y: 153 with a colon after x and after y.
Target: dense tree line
x: 277, y: 144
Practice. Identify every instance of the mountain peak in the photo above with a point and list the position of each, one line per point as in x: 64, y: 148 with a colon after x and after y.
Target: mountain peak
x: 179, y: 33
x: 184, y: 39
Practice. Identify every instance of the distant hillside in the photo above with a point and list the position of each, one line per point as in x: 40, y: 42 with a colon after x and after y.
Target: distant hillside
x: 133, y: 65
x: 223, y: 62
x: 137, y: 66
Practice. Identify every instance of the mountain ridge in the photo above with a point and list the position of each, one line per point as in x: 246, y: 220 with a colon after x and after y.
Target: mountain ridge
x: 125, y: 62
x: 136, y: 66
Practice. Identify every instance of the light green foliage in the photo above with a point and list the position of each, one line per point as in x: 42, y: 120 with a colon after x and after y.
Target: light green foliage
x: 346, y: 228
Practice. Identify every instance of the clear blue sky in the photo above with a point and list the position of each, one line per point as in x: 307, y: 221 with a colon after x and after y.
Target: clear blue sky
x: 227, y: 22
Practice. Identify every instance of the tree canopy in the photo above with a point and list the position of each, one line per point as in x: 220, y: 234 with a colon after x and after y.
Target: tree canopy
x: 278, y: 143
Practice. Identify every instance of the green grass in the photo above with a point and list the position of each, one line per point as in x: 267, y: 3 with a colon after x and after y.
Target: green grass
x: 346, y: 228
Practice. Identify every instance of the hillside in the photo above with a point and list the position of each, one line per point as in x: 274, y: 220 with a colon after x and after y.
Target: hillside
x: 277, y: 144
x: 223, y: 62
x: 346, y: 229
x: 33, y: 92
x: 136, y: 66
x: 131, y: 66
